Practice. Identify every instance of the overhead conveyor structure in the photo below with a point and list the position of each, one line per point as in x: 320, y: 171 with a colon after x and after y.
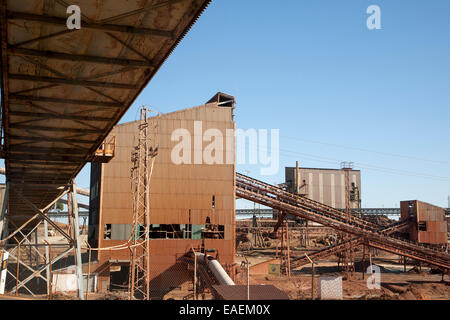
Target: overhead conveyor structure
x: 340, y: 247
x: 373, y: 235
x: 63, y: 90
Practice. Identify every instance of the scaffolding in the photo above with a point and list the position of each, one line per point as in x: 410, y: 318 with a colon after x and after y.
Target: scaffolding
x: 142, y: 159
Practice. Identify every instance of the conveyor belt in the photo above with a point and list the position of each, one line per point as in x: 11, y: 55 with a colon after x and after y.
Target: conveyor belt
x: 276, y: 198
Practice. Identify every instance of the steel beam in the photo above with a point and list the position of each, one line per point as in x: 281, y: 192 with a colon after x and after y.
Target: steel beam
x: 4, y: 209
x: 72, y: 82
x: 44, y: 216
x: 49, y: 116
x: 54, y: 129
x: 37, y: 273
x: 47, y: 259
x: 89, y: 25
x: 16, y: 97
x: 37, y: 150
x: 68, y: 159
x: 147, y: 8
x: 49, y: 139
x: 83, y: 58
x: 4, y: 69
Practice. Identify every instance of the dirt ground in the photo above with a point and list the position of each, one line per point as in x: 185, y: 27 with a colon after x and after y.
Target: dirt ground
x: 414, y: 284
x: 393, y: 287
x: 395, y: 284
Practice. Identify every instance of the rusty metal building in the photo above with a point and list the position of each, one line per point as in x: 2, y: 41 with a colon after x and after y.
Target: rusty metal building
x: 191, y: 205
x: 324, y: 185
x: 428, y: 225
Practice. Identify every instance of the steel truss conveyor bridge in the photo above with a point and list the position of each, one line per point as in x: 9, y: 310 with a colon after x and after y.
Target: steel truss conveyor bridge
x: 372, y: 234
x: 63, y: 90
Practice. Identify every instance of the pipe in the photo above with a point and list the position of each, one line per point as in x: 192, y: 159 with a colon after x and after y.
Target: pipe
x: 217, y: 269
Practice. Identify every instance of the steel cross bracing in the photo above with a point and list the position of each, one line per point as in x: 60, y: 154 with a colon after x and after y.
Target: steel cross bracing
x: 142, y: 159
x: 37, y: 265
x: 273, y: 197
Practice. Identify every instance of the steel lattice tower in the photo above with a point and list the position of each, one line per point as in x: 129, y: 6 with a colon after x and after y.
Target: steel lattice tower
x: 142, y: 158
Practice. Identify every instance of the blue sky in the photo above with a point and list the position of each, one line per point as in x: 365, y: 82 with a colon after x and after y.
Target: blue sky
x: 312, y: 69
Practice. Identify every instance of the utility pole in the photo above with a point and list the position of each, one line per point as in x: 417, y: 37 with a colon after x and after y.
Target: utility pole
x: 142, y: 158
x: 347, y: 167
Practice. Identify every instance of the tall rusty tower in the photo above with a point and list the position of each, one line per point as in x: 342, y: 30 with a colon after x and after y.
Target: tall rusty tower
x: 347, y: 167
x: 142, y: 158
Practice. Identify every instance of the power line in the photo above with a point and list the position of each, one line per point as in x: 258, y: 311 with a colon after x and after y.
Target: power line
x: 372, y: 167
x: 290, y: 153
x: 367, y: 150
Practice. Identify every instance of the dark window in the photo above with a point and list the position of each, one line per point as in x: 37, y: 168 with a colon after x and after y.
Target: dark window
x: 422, y: 226
x: 107, y: 232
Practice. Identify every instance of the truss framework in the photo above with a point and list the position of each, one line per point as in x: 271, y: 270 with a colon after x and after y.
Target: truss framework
x: 34, y: 262
x: 142, y: 158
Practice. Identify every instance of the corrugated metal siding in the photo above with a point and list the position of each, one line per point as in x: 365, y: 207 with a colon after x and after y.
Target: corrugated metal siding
x: 325, y: 185
x: 179, y: 194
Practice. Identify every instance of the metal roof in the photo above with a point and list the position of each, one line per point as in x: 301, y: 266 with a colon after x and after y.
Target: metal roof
x: 64, y: 90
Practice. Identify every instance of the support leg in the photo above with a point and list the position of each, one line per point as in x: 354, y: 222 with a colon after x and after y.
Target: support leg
x: 47, y: 257
x: 3, y: 224
x: 76, y: 234
x: 36, y: 259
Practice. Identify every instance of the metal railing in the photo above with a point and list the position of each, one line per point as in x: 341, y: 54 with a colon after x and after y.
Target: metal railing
x: 107, y: 148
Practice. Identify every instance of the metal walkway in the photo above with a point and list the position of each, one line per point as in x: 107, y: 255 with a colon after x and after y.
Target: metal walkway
x: 276, y: 198
x: 63, y: 90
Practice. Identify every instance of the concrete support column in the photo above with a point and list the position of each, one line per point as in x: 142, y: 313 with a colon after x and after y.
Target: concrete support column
x: 36, y: 259
x: 76, y: 235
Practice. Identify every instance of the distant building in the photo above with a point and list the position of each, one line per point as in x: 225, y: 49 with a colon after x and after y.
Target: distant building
x: 428, y: 225
x: 325, y: 185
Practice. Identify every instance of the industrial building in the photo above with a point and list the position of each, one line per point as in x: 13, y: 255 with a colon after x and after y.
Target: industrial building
x: 191, y: 205
x: 324, y: 185
x: 428, y: 223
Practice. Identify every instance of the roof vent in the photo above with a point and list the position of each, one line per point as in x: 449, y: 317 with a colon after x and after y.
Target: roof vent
x: 222, y: 100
